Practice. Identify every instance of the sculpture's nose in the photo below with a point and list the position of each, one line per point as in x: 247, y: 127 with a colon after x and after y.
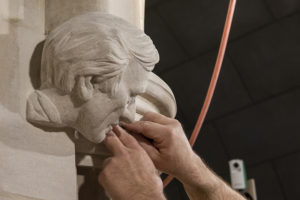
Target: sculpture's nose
x: 128, y: 115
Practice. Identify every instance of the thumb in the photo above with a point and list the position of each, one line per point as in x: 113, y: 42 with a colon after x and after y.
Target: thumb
x: 146, y: 144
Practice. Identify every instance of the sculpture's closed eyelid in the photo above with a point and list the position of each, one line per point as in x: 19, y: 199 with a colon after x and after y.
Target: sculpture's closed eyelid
x: 99, y: 84
x: 96, y: 79
x: 134, y: 94
x: 131, y: 100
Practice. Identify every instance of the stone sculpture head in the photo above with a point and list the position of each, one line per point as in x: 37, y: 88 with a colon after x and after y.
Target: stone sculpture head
x: 93, y: 66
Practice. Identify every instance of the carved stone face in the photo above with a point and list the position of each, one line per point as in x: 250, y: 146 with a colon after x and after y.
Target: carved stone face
x: 93, y: 67
x: 98, y: 114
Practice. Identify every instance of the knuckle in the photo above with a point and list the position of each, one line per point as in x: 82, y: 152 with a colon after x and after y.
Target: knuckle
x: 176, y: 123
x: 155, y: 159
x: 147, y: 115
x: 121, y: 151
x: 140, y: 150
x: 145, y: 125
x: 110, y: 139
x: 112, y: 162
x: 106, y: 162
x: 130, y: 155
x: 102, y: 176
x: 170, y: 131
x: 130, y: 139
x: 126, y: 154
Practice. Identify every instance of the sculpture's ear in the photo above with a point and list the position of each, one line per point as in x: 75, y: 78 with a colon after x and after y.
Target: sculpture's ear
x: 85, y: 88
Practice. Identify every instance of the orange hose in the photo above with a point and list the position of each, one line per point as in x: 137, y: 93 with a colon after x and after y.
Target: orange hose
x: 214, y: 79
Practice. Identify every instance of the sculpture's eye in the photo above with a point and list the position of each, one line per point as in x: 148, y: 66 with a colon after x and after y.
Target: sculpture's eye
x: 105, y: 85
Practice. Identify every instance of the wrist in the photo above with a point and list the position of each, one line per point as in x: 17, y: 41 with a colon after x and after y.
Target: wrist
x: 149, y: 195
x: 152, y: 190
x: 198, y: 175
x: 191, y: 168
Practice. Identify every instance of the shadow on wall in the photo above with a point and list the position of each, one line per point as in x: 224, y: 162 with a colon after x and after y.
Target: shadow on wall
x: 35, y: 78
x: 35, y: 65
x: 88, y: 186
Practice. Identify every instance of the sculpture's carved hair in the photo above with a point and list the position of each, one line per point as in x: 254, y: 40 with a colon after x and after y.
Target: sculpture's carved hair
x: 94, y: 44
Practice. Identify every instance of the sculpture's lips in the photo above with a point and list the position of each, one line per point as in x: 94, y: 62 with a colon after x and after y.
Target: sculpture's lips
x: 101, y: 133
x: 97, y: 134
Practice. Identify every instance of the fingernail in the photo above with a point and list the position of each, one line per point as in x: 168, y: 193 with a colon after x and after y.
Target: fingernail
x: 123, y: 124
x: 110, y: 133
x: 118, y: 127
x: 114, y: 124
x: 114, y: 127
x: 120, y: 130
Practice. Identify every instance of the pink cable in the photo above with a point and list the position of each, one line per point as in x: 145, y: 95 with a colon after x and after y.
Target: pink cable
x: 213, y: 81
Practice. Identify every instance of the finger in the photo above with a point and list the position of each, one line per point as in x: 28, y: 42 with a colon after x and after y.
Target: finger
x: 113, y: 143
x: 105, y: 162
x: 151, y: 150
x: 148, y: 129
x: 125, y: 137
x: 157, y: 118
x: 104, y: 173
x: 102, y: 178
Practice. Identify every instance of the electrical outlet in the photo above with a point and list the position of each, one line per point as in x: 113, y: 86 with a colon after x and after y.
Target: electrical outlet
x: 238, y: 174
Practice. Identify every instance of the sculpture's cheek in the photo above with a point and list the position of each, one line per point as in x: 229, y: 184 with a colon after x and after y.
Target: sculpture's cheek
x: 98, y: 114
x: 136, y: 78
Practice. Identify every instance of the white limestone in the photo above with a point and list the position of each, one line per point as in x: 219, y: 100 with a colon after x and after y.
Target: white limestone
x: 93, y: 67
x: 38, y: 160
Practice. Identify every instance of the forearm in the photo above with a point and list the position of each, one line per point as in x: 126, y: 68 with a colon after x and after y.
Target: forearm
x: 154, y: 190
x: 171, y: 153
x: 158, y: 196
x: 222, y: 192
x: 201, y: 183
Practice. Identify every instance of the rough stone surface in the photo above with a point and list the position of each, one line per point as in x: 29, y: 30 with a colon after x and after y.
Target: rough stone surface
x: 34, y: 164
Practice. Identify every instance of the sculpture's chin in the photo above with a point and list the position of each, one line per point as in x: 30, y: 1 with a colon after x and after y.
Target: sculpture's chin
x: 94, y: 124
x: 96, y: 135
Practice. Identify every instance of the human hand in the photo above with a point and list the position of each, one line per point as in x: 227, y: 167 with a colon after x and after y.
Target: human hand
x: 129, y: 173
x: 171, y: 152
x: 168, y: 146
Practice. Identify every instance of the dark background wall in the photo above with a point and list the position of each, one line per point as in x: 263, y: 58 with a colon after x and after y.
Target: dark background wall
x: 255, y: 113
